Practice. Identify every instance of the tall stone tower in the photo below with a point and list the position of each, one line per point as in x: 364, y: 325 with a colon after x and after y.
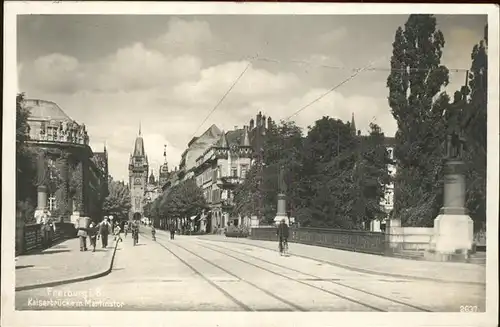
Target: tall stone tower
x: 138, y: 177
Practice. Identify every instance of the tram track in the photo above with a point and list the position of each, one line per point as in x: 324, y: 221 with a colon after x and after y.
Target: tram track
x: 245, y: 307
x: 217, y: 249
x: 419, y: 308
x: 372, y: 307
x: 208, y: 280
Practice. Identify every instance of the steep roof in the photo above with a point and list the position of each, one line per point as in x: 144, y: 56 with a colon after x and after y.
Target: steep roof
x: 139, y: 147
x: 45, y: 110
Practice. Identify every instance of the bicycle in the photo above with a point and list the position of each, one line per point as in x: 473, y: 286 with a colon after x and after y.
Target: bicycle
x: 283, y: 246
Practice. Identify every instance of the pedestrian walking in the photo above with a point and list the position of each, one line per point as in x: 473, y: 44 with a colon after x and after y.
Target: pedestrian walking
x: 47, y: 227
x: 172, y: 231
x: 104, y: 231
x: 153, y: 233
x: 117, y: 233
x: 125, y: 229
x: 82, y: 225
x: 135, y: 232
x: 93, y: 231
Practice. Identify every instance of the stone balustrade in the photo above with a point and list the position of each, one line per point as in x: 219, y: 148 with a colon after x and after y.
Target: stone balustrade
x: 61, y: 132
x: 30, y: 237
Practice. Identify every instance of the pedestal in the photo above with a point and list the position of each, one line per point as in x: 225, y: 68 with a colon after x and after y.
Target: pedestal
x: 281, y: 214
x: 453, y: 228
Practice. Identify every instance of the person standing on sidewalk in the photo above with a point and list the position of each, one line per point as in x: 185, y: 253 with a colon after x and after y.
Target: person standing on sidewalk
x: 104, y: 229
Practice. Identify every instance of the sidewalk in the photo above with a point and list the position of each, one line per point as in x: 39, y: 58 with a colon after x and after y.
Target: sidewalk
x: 63, y: 263
x: 447, y: 272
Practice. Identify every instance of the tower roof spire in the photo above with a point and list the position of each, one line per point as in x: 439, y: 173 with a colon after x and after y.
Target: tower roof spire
x: 223, y: 141
x: 246, y: 138
x: 140, y: 128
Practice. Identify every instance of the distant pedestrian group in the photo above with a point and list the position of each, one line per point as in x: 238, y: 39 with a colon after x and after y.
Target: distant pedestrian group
x: 87, y: 228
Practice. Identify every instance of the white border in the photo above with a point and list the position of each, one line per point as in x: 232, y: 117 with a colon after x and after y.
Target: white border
x: 61, y: 318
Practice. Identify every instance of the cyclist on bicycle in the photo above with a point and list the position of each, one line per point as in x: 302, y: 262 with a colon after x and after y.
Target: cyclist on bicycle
x: 282, y: 233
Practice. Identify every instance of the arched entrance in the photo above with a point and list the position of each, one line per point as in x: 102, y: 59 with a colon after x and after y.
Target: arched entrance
x: 137, y: 216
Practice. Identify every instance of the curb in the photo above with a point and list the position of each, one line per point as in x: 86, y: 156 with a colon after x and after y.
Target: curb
x: 72, y: 280
x: 366, y: 271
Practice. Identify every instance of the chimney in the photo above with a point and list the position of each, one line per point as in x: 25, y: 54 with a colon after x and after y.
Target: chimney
x: 235, y: 127
x: 269, y: 122
x: 259, y: 118
x: 264, y: 121
x: 252, y: 122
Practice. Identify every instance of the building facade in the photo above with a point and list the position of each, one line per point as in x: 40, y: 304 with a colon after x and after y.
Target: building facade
x: 153, y: 189
x: 138, y: 178
x: 72, y: 179
x: 223, y: 166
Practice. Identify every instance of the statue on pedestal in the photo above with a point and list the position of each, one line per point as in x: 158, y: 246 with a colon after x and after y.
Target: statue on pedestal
x: 281, y: 180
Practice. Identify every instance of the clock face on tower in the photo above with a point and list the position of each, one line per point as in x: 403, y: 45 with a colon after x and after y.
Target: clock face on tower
x: 137, y: 181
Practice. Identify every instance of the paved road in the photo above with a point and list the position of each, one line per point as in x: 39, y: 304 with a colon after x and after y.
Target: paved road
x: 198, y: 274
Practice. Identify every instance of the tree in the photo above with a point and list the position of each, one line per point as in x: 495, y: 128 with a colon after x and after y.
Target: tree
x: 371, y: 176
x: 183, y: 200
x: 414, y: 83
x: 118, y: 202
x: 282, y: 150
x: 475, y: 129
x: 328, y: 162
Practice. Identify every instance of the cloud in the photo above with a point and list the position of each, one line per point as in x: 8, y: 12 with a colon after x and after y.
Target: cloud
x: 333, y: 36
x: 188, y: 35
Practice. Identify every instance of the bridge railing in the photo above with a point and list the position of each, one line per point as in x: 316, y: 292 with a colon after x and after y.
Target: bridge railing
x: 351, y: 240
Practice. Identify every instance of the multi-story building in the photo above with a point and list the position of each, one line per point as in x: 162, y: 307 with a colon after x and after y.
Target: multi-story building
x: 223, y: 166
x: 80, y: 175
x: 196, y: 147
x: 218, y: 172
x: 138, y: 178
x: 153, y: 190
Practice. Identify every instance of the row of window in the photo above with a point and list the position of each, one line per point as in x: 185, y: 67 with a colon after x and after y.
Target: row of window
x: 214, y: 174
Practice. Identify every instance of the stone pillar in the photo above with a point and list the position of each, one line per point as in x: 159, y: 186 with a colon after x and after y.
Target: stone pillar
x: 63, y: 200
x: 77, y: 188
x: 41, y: 197
x: 396, y: 235
x: 281, y: 212
x: 453, y: 228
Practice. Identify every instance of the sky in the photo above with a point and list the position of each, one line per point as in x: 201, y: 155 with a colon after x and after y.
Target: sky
x: 167, y: 73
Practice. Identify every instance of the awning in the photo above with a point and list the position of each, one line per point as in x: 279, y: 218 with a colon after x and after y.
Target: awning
x: 192, y: 217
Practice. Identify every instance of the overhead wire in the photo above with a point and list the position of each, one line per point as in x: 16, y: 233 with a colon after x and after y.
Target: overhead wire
x: 222, y: 98
x: 315, y: 64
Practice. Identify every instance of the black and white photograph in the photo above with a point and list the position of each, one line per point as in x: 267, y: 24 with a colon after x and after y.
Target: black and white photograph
x: 187, y: 159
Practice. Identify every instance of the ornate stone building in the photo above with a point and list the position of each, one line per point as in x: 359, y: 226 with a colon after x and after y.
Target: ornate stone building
x: 223, y: 166
x: 72, y: 179
x: 138, y: 178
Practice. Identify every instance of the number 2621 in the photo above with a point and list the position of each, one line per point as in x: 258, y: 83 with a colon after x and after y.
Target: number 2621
x: 468, y: 308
